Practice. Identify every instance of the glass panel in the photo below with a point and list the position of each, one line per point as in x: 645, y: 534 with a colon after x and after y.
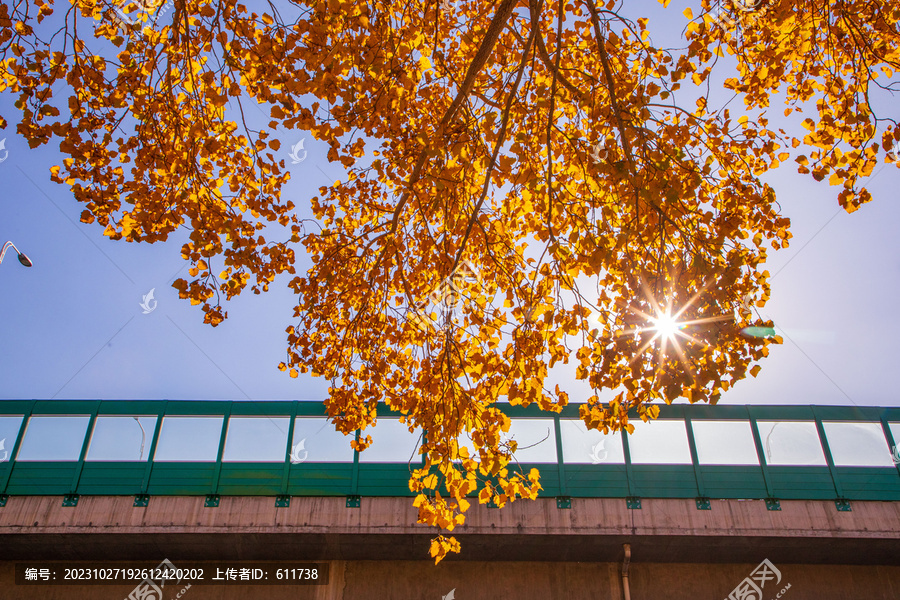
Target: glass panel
x: 857, y: 444
x: 791, y: 443
x: 660, y: 443
x: 316, y: 440
x: 583, y: 446
x: 256, y: 439
x: 9, y: 430
x: 895, y: 433
x: 536, y: 440
x: 391, y: 442
x: 54, y: 438
x: 465, y: 441
x: 121, y: 438
x: 724, y: 442
x: 189, y: 439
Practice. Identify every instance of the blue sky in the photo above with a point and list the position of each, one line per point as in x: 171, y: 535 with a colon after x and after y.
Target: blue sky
x: 72, y: 325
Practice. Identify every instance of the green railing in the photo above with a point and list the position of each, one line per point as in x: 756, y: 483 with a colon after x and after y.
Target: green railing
x: 629, y: 479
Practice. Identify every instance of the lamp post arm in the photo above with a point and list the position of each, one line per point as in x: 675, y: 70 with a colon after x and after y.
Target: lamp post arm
x: 6, y: 247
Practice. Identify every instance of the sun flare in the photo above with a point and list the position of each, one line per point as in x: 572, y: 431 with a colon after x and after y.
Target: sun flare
x: 666, y: 326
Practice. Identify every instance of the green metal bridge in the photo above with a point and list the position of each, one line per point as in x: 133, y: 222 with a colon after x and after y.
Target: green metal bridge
x: 152, y: 448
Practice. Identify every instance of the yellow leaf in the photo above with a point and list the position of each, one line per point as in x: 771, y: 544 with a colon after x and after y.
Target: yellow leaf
x: 687, y: 12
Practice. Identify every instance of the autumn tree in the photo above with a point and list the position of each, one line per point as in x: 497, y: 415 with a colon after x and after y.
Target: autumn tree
x: 595, y: 186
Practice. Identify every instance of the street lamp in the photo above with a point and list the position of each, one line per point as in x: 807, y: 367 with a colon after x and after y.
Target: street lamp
x: 22, y: 258
x: 143, y: 436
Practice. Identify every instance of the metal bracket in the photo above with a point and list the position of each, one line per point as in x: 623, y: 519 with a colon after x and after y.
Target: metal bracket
x: 633, y: 502
x: 773, y: 504
x: 563, y: 502
x: 141, y: 500
x: 842, y: 505
x: 703, y: 504
x: 70, y: 500
x: 282, y: 501
x: 353, y: 501
x: 212, y: 501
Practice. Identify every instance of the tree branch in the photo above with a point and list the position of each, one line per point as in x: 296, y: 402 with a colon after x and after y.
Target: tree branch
x: 498, y: 22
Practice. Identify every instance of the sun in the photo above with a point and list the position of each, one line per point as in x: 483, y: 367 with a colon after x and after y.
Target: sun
x: 669, y: 328
x: 666, y: 326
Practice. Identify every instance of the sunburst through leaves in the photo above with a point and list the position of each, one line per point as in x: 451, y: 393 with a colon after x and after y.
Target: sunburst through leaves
x: 668, y: 327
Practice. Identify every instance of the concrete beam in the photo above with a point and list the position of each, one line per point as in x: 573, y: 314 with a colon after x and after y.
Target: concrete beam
x: 252, y: 528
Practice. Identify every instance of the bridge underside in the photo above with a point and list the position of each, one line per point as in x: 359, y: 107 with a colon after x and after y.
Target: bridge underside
x: 377, y: 550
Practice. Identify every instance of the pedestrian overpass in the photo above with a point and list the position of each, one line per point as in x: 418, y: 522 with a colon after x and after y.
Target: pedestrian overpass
x: 688, y: 506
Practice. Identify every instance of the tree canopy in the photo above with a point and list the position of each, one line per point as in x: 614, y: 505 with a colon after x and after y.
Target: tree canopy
x: 529, y: 183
